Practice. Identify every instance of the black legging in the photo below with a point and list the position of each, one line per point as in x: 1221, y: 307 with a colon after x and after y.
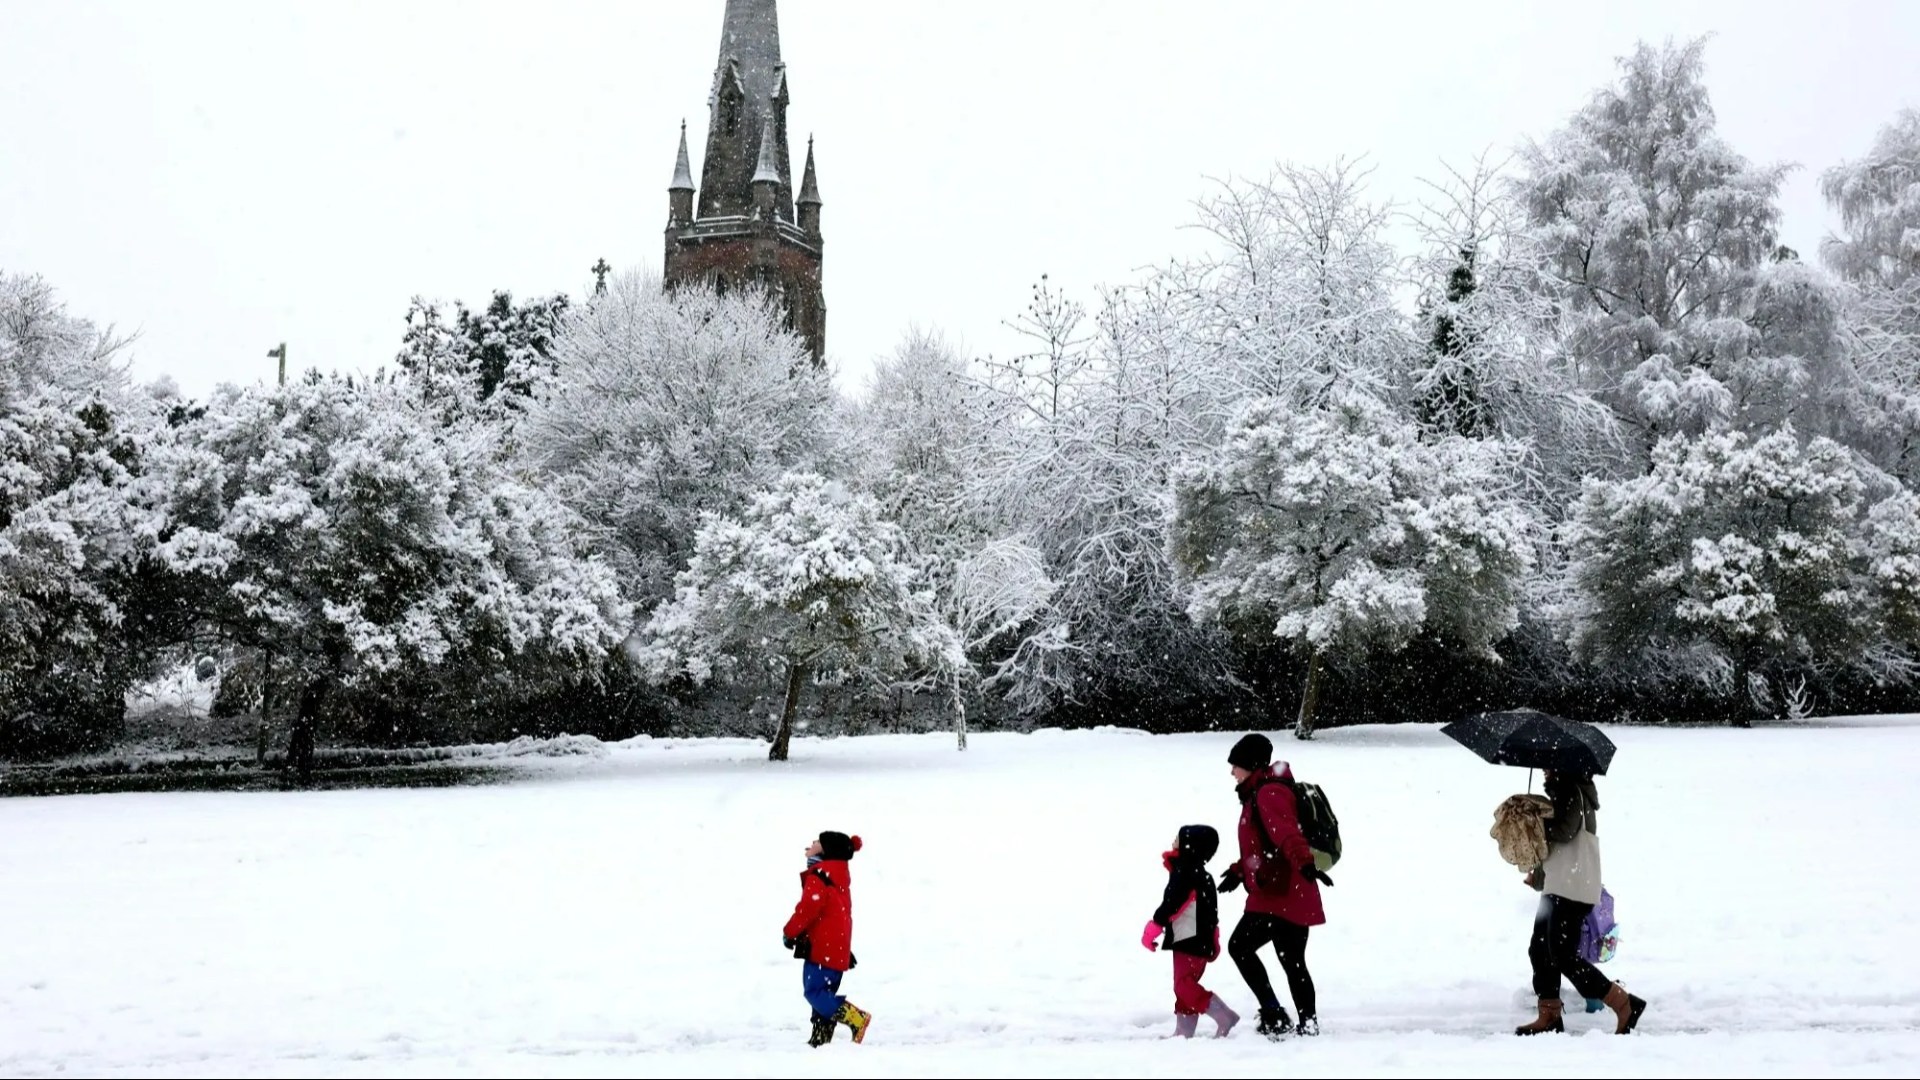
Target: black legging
x: 1290, y: 941
x: 1555, y: 950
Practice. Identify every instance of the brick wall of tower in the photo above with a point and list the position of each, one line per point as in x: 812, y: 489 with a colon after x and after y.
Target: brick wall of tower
x: 741, y: 260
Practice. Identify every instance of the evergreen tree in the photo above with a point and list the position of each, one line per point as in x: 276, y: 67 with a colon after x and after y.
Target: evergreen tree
x: 1341, y: 534
x: 810, y: 583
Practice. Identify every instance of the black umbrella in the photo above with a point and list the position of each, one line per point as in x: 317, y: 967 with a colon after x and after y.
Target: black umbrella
x: 1533, y: 740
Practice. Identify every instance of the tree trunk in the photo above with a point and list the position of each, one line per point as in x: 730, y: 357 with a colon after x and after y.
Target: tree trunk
x: 1744, y: 705
x: 960, y: 718
x: 1309, y: 697
x: 796, y: 681
x: 300, y: 742
x: 260, y: 734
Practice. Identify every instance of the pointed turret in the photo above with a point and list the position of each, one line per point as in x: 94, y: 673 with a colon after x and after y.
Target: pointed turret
x: 766, y: 177
x: 682, y: 167
x: 807, y: 206
x: 680, y: 192
x: 749, y: 94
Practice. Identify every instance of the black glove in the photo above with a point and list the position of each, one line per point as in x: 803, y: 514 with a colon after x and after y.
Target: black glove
x: 1312, y: 872
x: 789, y: 943
x: 1230, y: 880
x: 852, y: 961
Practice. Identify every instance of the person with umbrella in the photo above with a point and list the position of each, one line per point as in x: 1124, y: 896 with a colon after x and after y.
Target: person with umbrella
x: 1571, y: 753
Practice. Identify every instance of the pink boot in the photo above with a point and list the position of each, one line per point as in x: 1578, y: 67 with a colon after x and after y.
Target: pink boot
x: 1222, y: 1016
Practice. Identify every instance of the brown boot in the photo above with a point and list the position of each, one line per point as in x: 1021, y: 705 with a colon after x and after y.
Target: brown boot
x: 1548, y: 1020
x: 1626, y: 1009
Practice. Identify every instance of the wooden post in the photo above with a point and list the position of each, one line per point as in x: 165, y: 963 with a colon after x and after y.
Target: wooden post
x: 281, y: 352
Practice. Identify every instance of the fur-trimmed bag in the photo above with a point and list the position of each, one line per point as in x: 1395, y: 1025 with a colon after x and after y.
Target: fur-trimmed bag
x: 1520, y: 828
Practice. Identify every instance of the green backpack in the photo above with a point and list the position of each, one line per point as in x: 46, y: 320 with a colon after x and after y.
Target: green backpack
x: 1317, y: 821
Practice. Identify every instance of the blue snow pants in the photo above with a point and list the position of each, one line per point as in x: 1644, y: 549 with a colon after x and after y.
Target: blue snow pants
x: 822, y: 987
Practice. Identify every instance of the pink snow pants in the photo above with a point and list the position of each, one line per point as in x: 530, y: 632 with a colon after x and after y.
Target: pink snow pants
x: 1189, y: 997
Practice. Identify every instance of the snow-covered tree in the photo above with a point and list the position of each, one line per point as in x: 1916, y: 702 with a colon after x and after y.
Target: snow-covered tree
x: 808, y: 583
x: 1655, y: 230
x: 667, y: 405
x: 914, y: 432
x: 74, y: 628
x: 1892, y: 551
x: 1298, y: 300
x: 1340, y: 533
x: 1878, y: 198
x: 1492, y: 365
x: 922, y: 430
x: 46, y: 351
x: 362, y: 546
x: 1080, y: 436
x: 73, y: 546
x: 469, y: 359
x: 1731, y: 562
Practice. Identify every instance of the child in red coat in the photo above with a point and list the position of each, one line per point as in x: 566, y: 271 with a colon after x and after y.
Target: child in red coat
x: 1188, y: 918
x: 821, y: 933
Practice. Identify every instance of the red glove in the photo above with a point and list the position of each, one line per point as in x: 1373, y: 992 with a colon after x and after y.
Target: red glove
x: 1150, y: 937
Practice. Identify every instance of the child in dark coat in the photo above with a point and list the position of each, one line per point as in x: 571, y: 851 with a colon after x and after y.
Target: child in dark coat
x: 821, y: 933
x: 1187, y: 922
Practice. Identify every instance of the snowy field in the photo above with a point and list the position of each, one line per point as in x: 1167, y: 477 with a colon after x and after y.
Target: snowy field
x: 621, y: 916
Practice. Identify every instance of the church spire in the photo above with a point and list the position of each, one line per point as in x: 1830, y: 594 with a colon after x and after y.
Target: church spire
x: 747, y: 229
x: 748, y: 101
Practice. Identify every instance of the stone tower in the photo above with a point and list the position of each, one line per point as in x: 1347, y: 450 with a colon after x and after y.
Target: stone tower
x: 744, y: 226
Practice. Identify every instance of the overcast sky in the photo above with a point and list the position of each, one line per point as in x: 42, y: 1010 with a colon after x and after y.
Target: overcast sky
x: 222, y: 176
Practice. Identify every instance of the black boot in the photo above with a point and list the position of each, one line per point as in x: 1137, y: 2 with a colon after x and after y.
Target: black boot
x: 1275, y: 1024
x: 1308, y: 1025
x: 822, y: 1032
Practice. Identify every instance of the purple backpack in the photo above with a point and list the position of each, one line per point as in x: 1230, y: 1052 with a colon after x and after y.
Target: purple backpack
x: 1599, y: 934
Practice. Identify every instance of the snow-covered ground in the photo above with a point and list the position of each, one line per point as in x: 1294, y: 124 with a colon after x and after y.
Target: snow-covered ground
x: 620, y: 915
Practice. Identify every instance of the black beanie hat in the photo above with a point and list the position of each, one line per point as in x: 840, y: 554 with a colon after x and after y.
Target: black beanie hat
x: 1252, y: 752
x: 838, y: 846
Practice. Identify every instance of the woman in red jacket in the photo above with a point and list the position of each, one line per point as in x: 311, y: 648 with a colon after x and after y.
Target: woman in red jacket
x: 821, y: 933
x: 1283, y: 887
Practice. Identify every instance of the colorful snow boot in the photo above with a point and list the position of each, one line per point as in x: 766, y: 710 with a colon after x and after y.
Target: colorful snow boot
x: 1548, y: 1020
x: 1222, y: 1017
x: 856, y: 1020
x: 1626, y: 1009
x: 1275, y: 1024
